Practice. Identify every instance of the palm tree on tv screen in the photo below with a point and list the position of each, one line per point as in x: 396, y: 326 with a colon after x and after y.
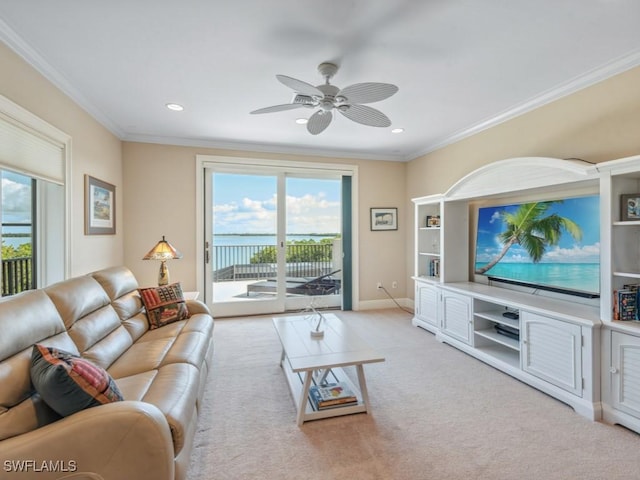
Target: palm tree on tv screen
x: 528, y: 227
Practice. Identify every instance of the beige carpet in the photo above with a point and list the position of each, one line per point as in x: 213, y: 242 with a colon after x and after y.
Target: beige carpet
x: 437, y: 414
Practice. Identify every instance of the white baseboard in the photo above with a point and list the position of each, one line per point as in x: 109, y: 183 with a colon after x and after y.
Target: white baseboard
x: 385, y: 303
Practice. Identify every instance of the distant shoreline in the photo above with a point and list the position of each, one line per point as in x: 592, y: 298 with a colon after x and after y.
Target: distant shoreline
x: 273, y: 234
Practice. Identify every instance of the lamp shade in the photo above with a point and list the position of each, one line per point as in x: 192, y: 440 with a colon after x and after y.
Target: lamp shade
x: 162, y: 251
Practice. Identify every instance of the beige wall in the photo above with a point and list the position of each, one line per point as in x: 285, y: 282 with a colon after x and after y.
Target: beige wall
x: 95, y: 151
x: 159, y: 185
x: 598, y: 123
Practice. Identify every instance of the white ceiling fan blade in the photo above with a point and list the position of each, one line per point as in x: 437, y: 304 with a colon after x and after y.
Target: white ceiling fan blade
x: 300, y: 86
x: 368, y: 92
x: 278, y: 108
x: 365, y: 115
x: 319, y: 121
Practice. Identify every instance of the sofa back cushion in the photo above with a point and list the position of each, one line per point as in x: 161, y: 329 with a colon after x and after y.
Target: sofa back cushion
x: 90, y: 319
x: 122, y: 287
x: 26, y: 319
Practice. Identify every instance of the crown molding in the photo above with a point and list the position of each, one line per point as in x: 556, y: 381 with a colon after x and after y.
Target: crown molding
x: 35, y: 60
x: 260, y: 148
x: 599, y: 74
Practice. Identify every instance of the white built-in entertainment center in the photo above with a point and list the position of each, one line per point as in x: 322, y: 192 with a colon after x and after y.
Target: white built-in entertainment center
x: 568, y: 347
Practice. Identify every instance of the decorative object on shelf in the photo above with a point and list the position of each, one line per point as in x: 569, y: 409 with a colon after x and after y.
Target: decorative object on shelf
x: 384, y: 219
x: 630, y: 207
x: 99, y: 207
x: 433, y: 221
x: 163, y: 251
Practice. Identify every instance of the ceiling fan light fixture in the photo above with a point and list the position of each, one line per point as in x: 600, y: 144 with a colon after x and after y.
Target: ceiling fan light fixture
x: 301, y: 121
x: 327, y: 97
x: 397, y: 130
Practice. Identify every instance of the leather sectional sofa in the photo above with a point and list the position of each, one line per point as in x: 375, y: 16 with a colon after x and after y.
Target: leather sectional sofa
x: 159, y: 372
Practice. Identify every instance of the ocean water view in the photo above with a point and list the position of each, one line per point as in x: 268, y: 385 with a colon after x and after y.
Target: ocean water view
x: 251, y: 239
x: 574, y: 276
x: 16, y: 241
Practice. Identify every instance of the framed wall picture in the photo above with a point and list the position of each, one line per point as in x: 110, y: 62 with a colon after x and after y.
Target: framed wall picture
x: 433, y: 221
x: 630, y: 207
x: 384, y: 219
x: 99, y: 207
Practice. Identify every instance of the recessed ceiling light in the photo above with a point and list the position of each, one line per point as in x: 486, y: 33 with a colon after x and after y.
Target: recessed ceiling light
x: 397, y: 130
x: 175, y: 107
x: 301, y: 121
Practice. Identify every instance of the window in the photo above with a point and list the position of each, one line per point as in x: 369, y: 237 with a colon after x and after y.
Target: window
x: 34, y: 171
x: 18, y: 233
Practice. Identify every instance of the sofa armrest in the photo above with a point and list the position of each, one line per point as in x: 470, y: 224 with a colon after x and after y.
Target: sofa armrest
x: 196, y: 306
x: 121, y: 440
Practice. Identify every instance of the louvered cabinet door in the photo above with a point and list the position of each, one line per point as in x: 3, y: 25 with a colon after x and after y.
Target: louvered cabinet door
x: 427, y: 304
x: 456, y: 316
x: 625, y: 373
x: 551, y: 350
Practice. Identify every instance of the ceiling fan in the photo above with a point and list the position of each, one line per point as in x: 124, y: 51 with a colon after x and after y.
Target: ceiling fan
x: 328, y: 97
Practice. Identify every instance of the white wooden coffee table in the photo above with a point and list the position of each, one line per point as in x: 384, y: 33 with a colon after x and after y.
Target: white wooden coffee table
x: 307, y: 360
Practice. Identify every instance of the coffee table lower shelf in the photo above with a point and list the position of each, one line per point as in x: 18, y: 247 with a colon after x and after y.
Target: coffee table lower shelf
x: 300, y: 394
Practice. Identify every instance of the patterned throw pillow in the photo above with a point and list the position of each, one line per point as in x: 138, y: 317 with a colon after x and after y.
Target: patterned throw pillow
x: 164, y: 304
x: 68, y: 383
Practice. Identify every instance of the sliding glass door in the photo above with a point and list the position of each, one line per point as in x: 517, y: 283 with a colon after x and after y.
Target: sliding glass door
x: 273, y: 239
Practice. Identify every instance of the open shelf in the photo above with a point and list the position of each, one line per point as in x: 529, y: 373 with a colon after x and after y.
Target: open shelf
x: 296, y: 381
x: 497, y: 317
x: 496, y: 337
x: 501, y: 353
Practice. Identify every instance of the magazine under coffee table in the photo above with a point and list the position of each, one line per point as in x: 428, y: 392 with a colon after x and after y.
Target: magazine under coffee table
x: 308, y: 360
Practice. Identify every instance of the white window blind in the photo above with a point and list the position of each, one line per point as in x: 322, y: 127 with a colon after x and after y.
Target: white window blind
x: 26, y: 151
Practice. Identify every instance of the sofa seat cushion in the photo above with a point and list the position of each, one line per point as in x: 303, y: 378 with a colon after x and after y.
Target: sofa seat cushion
x: 185, y: 341
x: 173, y: 389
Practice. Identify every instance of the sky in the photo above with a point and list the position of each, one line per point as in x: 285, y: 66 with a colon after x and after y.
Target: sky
x: 582, y: 210
x: 247, y: 204
x: 16, y: 197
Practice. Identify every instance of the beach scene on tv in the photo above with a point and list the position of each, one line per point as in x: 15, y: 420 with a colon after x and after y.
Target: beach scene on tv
x: 550, y: 245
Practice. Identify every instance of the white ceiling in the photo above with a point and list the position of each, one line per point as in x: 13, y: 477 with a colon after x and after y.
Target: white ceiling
x: 460, y: 65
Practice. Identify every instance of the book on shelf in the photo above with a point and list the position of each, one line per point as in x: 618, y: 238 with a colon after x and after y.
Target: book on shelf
x: 331, y: 395
x: 434, y: 267
x: 625, y: 303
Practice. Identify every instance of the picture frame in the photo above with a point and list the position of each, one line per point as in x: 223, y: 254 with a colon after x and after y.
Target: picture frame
x: 99, y: 207
x: 433, y: 221
x: 630, y: 207
x: 384, y: 219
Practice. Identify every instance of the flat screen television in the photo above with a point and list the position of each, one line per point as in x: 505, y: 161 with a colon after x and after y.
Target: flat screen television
x: 550, y: 245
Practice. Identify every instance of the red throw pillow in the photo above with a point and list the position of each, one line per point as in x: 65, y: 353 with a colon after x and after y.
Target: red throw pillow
x: 164, y: 305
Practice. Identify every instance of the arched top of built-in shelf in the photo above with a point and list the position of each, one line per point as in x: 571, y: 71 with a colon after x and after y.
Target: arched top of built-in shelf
x: 517, y: 174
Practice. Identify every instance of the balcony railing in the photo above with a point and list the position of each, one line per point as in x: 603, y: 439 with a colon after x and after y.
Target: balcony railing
x: 17, y: 276
x: 248, y: 262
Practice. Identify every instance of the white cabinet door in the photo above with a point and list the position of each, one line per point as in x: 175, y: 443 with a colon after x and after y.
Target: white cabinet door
x: 456, y: 316
x: 625, y: 373
x: 427, y: 303
x: 552, y: 351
